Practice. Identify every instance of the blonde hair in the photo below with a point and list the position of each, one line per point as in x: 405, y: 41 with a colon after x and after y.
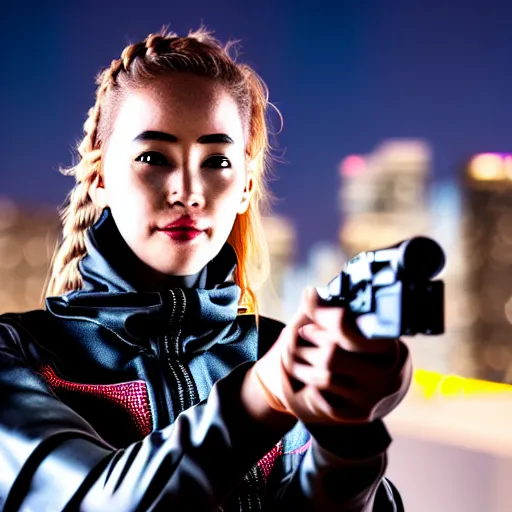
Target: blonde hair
x: 201, y: 54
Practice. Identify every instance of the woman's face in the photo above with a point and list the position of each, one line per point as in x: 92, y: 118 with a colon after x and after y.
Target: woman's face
x: 174, y: 173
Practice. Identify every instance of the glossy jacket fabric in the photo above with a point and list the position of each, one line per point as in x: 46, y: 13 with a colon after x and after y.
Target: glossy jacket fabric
x: 124, y: 400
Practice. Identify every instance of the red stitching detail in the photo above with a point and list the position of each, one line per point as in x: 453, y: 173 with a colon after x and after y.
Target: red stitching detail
x: 266, y: 464
x: 131, y: 396
x: 300, y: 449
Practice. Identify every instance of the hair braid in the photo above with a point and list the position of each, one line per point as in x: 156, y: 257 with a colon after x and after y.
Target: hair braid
x: 80, y: 213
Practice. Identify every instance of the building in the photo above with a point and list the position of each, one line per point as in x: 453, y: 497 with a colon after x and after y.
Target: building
x: 27, y: 238
x: 449, y: 352
x: 281, y: 241
x: 487, y: 228
x: 383, y: 195
x: 323, y: 263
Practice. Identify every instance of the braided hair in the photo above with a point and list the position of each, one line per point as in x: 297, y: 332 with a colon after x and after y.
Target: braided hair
x: 201, y: 54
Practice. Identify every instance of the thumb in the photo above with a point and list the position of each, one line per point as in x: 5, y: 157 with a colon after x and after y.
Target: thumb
x: 305, y: 313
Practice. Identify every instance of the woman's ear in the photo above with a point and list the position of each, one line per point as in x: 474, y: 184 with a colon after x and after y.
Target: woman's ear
x: 97, y: 193
x: 247, y: 194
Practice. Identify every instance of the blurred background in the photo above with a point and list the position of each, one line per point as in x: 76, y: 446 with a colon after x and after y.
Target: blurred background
x: 396, y: 123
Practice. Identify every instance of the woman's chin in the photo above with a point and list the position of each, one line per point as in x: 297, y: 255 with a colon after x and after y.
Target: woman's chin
x: 181, y: 258
x: 180, y: 265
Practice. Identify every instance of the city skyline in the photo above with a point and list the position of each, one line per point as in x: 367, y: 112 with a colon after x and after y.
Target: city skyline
x: 344, y: 78
x: 29, y: 235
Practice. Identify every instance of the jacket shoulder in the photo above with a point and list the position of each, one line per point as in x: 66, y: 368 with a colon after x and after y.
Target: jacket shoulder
x: 27, y: 319
x: 270, y: 327
x: 20, y: 325
x: 268, y: 330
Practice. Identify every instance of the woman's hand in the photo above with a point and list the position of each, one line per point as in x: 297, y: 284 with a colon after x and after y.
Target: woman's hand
x: 323, y: 370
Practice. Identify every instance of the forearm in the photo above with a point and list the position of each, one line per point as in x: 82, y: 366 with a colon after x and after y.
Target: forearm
x: 264, y: 408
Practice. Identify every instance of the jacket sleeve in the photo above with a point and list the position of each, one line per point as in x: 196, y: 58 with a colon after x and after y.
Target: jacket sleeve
x: 52, y: 459
x: 341, y: 469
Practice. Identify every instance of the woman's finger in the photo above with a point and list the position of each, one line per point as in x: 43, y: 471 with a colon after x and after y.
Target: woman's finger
x: 322, y: 408
x: 324, y: 380
x: 331, y: 355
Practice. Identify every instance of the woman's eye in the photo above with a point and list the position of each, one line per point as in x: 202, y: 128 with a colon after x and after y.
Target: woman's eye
x: 217, y: 162
x: 152, y: 158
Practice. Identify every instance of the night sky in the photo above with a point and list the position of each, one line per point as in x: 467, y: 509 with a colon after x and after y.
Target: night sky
x: 345, y: 76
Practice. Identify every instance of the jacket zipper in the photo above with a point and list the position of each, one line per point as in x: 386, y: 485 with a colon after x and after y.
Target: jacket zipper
x: 250, y: 500
x: 185, y: 393
x: 182, y: 383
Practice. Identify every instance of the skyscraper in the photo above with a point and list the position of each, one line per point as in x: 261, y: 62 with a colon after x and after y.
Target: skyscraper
x: 449, y: 352
x: 27, y: 238
x: 383, y: 195
x: 487, y: 224
x: 281, y: 238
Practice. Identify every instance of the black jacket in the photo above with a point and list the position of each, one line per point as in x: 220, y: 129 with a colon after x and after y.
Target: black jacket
x: 124, y: 400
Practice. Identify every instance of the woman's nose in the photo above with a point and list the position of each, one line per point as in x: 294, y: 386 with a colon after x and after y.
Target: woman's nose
x: 186, y: 189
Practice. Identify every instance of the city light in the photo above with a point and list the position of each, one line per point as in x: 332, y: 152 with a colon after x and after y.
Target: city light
x: 491, y: 167
x: 352, y: 165
x: 434, y: 385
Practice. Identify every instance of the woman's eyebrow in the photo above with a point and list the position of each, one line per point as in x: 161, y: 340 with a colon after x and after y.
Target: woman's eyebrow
x: 212, y: 138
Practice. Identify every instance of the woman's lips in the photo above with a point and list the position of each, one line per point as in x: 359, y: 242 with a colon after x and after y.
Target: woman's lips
x: 182, y: 233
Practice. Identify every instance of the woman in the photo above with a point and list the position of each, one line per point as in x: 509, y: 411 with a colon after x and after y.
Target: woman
x: 149, y: 382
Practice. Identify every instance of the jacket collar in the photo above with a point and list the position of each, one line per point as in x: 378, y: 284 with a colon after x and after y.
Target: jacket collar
x: 110, y: 298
